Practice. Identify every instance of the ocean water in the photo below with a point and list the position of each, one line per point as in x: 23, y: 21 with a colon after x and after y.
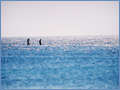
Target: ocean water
x: 60, y: 63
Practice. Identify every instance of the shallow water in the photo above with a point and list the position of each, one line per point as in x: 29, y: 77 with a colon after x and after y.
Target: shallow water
x: 60, y: 63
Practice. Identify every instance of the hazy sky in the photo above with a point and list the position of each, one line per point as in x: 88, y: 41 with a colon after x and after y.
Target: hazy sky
x: 59, y: 18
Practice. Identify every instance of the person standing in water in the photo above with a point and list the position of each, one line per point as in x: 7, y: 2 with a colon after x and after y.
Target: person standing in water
x: 40, y: 42
x: 28, y: 41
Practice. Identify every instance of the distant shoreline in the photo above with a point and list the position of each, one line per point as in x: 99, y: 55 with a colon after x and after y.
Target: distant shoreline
x: 82, y: 36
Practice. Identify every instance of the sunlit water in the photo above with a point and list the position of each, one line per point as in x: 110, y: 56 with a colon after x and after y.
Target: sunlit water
x: 60, y: 63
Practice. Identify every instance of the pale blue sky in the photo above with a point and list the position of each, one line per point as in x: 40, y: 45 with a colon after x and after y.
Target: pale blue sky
x: 24, y: 19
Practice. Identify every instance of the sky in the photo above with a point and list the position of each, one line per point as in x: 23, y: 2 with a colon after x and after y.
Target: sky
x: 59, y: 18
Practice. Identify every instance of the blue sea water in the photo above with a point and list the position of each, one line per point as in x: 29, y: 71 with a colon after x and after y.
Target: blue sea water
x: 60, y: 63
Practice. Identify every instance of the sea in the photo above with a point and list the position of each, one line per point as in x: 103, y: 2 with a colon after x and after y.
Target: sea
x: 61, y: 62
